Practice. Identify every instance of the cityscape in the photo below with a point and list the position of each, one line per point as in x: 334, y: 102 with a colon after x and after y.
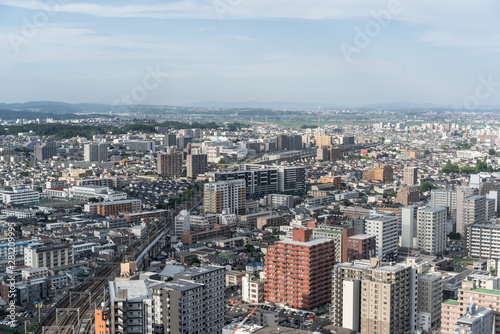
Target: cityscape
x: 237, y: 167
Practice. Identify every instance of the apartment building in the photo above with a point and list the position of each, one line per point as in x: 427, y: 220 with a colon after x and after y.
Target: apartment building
x: 429, y: 298
x: 213, y: 279
x: 408, y: 195
x: 359, y: 247
x: 379, y: 173
x: 113, y: 207
x: 182, y: 223
x: 298, y: 271
x: 131, y: 307
x: 386, y: 231
x: 37, y: 255
x: 410, y: 176
x: 196, y: 164
x: 431, y: 229
x: 452, y: 310
x: 170, y: 165
x: 252, y: 289
x: 225, y: 195
x: 409, y: 227
x: 484, y: 241
x: 373, y: 297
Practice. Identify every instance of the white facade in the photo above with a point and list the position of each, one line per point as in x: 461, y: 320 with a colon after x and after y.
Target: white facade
x: 91, y: 191
x: 408, y: 226
x: 252, y: 290
x: 385, y: 229
x: 182, y: 223
x: 19, y: 195
x: 50, y: 255
x: 431, y: 227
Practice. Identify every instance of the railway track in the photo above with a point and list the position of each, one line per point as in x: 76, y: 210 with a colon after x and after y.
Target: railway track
x: 71, y: 321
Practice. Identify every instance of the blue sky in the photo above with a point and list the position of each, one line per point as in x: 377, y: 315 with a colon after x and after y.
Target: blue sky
x: 251, y: 50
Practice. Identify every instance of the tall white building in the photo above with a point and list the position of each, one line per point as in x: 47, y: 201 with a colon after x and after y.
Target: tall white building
x: 431, y: 227
x: 386, y: 231
x: 37, y: 255
x: 182, y: 223
x: 408, y: 226
x: 91, y: 152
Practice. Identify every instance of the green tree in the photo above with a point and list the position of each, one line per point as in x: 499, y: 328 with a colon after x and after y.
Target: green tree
x: 492, y: 152
x: 426, y: 186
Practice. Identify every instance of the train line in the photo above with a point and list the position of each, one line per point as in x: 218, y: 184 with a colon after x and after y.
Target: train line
x: 62, y: 318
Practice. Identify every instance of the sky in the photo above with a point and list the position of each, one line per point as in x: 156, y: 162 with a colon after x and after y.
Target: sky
x: 354, y: 52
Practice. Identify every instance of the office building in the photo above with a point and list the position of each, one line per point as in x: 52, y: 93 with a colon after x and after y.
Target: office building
x: 196, y: 164
x: 184, y: 141
x: 45, y: 151
x: 364, y: 297
x: 90, y: 191
x: 431, y: 229
x: 409, y: 226
x: 386, y: 231
x: 141, y: 145
x: 298, y: 271
x: 225, y: 195
x: 37, y: 255
x: 323, y: 140
x: 410, y: 176
x: 170, y: 165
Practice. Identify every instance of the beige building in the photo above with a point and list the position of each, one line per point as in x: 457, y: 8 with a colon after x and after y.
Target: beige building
x: 373, y: 297
x: 410, y: 177
x: 452, y: 310
x: 408, y: 195
x: 225, y: 195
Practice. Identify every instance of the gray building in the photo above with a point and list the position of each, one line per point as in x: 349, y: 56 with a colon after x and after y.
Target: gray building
x: 45, y: 151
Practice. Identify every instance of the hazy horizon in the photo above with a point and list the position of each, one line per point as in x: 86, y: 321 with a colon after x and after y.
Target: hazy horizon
x: 183, y: 52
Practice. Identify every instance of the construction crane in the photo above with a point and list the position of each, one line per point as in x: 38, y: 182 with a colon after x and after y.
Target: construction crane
x: 244, y: 320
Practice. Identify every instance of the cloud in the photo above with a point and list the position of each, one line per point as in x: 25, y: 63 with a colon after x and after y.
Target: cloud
x: 441, y: 22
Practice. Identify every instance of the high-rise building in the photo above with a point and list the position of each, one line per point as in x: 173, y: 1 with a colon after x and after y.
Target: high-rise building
x: 409, y: 226
x: 282, y: 142
x: 131, y: 307
x: 196, y: 164
x: 213, y: 278
x: 225, y: 195
x: 410, y: 176
x: 298, y: 271
x: 262, y: 180
x: 444, y: 197
x: 45, y: 151
x: 364, y: 297
x: 170, y: 140
x: 102, y: 152
x: 473, y: 209
x: 170, y: 165
x: 431, y: 229
x: 323, y: 140
x: 91, y: 152
x: 462, y: 193
x: 184, y: 141
x: 386, y: 231
x: 429, y: 298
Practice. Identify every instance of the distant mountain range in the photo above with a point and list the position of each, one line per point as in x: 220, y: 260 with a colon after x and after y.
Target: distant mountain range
x: 61, y: 110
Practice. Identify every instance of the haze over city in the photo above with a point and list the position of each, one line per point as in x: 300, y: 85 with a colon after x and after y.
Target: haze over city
x: 339, y: 52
